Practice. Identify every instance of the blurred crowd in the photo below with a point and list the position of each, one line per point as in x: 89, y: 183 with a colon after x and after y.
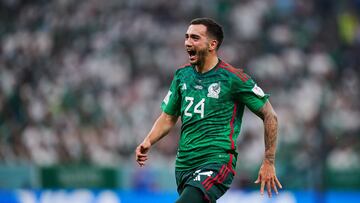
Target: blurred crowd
x: 82, y: 81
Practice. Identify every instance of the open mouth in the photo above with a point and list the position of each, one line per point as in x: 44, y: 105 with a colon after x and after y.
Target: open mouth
x: 192, y: 54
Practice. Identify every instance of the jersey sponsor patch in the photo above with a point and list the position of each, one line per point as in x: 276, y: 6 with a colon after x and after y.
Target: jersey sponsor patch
x: 214, y: 90
x: 258, y: 91
x: 167, y: 97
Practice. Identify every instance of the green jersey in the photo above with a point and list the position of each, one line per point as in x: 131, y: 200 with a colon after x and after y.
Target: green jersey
x: 211, y: 107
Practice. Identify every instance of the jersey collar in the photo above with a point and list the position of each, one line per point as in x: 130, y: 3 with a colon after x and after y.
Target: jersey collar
x: 208, y: 72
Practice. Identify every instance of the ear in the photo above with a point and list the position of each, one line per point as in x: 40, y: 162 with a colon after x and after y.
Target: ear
x: 213, y: 44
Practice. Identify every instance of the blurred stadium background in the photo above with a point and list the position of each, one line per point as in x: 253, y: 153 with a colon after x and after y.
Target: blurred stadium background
x: 81, y: 83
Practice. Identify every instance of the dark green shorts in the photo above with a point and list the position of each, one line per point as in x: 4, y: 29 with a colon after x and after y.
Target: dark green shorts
x: 212, y: 179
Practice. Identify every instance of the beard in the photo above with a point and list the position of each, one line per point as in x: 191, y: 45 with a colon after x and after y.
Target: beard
x: 201, y: 56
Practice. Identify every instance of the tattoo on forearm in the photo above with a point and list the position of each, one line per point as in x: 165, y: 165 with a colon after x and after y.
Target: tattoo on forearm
x: 270, y: 158
x: 271, y: 125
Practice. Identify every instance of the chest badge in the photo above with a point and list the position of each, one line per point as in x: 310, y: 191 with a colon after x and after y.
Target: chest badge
x: 214, y: 90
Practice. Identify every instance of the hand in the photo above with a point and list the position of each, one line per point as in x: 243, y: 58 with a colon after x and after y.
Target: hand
x: 141, y: 152
x: 267, y: 176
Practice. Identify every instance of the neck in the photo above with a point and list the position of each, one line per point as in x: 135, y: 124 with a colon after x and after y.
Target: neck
x: 209, y: 63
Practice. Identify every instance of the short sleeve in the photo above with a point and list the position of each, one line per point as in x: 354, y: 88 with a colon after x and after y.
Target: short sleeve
x: 249, y: 93
x: 172, y: 101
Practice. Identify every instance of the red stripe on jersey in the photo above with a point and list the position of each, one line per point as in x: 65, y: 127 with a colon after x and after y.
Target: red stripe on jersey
x: 238, y: 72
x: 183, y: 66
x: 230, y: 164
x: 231, y: 138
x: 223, y: 64
x: 232, y: 127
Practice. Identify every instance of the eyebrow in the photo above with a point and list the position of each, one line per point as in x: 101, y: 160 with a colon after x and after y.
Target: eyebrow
x: 192, y: 35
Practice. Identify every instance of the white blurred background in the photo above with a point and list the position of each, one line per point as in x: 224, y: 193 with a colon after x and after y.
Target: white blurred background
x: 81, y: 84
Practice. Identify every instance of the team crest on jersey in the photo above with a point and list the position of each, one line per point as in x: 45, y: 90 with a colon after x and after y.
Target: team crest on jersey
x: 214, y: 90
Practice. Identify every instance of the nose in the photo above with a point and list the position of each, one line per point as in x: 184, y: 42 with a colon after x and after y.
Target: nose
x: 188, y: 42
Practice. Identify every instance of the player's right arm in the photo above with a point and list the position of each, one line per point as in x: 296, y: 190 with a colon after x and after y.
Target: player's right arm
x: 171, y: 111
x: 161, y: 128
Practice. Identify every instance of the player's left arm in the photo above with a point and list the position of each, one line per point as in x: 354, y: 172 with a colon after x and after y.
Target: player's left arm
x: 267, y: 175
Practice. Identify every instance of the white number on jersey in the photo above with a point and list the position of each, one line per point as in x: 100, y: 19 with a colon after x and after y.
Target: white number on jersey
x: 191, y: 101
x: 199, y: 107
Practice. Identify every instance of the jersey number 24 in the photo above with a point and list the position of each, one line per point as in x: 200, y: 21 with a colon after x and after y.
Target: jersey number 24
x: 199, y: 107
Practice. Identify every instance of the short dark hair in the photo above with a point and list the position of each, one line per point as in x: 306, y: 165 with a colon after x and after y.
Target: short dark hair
x: 213, y: 28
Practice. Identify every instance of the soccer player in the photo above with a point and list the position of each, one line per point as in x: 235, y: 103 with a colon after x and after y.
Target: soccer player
x: 210, y: 96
